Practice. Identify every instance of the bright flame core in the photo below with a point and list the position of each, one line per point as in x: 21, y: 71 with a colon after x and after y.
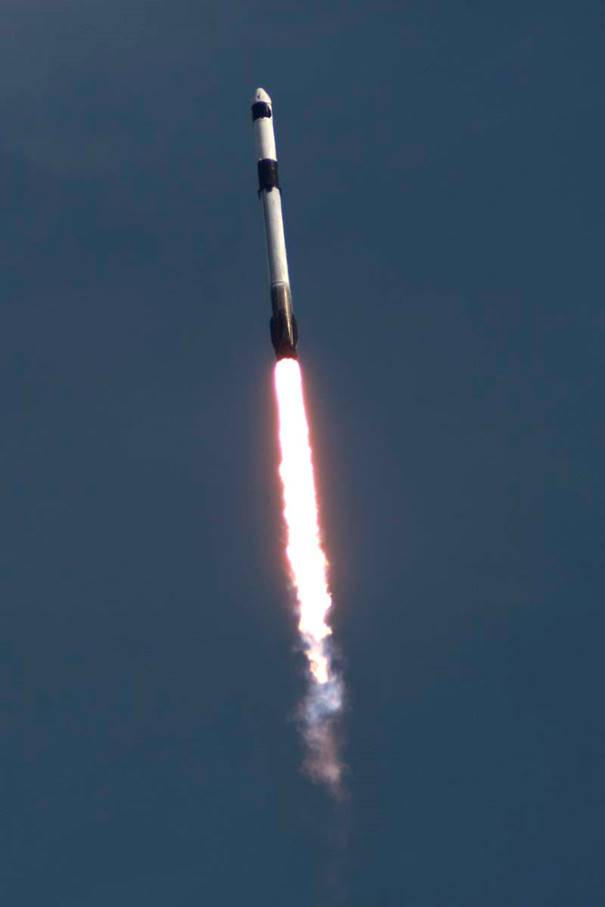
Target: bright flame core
x: 308, y: 568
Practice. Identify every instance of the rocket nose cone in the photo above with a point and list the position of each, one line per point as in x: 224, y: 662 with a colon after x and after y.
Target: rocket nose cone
x: 261, y: 95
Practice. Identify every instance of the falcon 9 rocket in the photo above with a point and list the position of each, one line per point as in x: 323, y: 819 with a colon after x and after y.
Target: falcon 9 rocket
x: 284, y: 331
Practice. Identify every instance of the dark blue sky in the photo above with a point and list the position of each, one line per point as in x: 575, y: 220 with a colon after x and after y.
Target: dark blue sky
x: 442, y: 168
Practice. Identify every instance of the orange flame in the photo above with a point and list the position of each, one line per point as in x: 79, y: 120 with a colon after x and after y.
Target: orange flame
x: 308, y: 567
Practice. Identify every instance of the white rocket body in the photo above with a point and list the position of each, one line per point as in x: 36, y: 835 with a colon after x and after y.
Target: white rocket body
x: 284, y: 332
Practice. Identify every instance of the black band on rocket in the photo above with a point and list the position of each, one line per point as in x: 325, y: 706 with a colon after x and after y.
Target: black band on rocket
x: 281, y: 298
x: 267, y: 175
x: 260, y: 109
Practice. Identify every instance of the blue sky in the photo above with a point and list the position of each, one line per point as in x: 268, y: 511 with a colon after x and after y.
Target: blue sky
x: 442, y: 174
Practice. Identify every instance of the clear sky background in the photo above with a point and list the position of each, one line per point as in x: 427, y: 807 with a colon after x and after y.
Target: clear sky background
x: 442, y: 171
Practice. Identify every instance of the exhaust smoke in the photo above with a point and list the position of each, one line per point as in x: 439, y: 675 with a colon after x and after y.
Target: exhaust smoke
x: 308, y: 569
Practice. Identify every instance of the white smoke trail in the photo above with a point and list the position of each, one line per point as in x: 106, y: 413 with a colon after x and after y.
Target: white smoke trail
x: 308, y: 568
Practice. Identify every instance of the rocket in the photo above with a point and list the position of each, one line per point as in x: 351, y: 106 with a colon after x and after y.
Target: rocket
x: 284, y: 331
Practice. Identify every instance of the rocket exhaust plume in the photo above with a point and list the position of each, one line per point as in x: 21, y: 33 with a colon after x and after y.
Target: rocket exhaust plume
x: 308, y: 569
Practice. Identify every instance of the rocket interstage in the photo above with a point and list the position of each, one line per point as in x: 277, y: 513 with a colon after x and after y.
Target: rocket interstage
x: 284, y: 331
x: 307, y: 562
